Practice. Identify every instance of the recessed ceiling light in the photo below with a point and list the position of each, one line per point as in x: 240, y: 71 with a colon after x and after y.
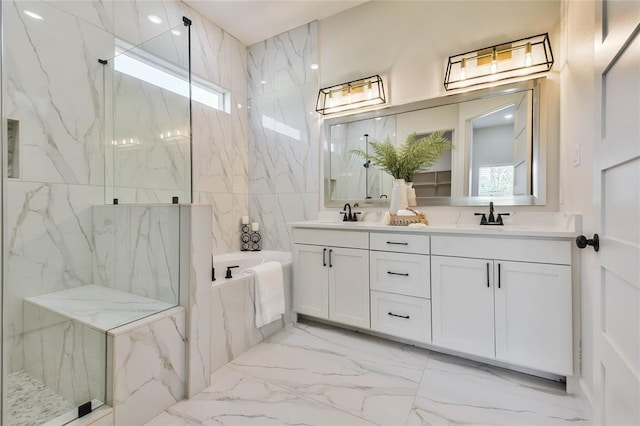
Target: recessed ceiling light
x: 263, y: 82
x: 33, y: 15
x: 239, y: 106
x: 314, y: 66
x: 508, y: 116
x: 155, y: 19
x: 175, y: 32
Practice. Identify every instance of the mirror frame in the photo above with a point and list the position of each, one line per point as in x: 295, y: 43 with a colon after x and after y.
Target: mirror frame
x: 539, y: 144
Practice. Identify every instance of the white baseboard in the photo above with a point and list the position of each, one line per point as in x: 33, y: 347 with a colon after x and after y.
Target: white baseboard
x: 586, y: 398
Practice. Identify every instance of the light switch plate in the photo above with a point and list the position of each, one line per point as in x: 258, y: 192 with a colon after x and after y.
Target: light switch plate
x: 576, y: 156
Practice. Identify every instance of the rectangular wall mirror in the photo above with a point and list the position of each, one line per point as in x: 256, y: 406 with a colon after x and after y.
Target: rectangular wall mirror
x: 496, y: 156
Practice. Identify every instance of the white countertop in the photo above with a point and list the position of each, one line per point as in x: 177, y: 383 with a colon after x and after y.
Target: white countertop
x: 563, y: 228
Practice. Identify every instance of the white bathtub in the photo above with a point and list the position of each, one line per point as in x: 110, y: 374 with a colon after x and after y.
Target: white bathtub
x: 244, y: 260
x: 233, y: 329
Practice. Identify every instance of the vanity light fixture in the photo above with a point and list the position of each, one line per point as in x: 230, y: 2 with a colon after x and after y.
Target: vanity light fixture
x: 352, y: 95
x: 516, y: 58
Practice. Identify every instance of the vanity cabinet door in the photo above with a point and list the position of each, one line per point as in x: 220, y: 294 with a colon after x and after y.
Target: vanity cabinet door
x: 310, y: 278
x: 462, y: 304
x: 349, y: 286
x: 533, y: 315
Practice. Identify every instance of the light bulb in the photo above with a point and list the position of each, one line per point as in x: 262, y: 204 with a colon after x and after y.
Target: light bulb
x: 463, y: 69
x: 349, y: 95
x: 494, y: 62
x: 369, y: 91
x: 527, y: 55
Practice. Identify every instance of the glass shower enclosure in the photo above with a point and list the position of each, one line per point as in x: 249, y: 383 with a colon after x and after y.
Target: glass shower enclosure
x: 77, y: 266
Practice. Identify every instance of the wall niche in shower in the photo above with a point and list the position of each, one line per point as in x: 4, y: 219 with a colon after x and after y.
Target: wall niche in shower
x: 13, y: 148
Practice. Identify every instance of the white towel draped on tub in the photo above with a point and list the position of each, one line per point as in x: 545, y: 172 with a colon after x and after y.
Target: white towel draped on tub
x: 269, y: 292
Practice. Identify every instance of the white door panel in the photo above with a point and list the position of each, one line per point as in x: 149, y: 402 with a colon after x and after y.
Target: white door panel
x: 617, y: 204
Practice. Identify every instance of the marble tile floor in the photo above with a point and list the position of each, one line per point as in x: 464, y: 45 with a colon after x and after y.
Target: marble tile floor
x: 312, y: 374
x: 31, y: 402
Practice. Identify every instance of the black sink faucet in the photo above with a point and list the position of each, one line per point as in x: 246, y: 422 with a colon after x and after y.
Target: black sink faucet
x: 492, y: 219
x: 348, y: 215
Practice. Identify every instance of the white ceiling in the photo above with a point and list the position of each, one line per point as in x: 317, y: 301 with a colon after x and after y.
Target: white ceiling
x: 252, y: 21
x: 501, y: 117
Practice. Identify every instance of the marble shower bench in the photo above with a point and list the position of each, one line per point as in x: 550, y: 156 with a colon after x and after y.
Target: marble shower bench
x: 98, y: 307
x: 97, y: 343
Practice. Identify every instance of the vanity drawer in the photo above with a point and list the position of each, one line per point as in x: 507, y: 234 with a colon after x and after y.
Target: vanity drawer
x: 323, y: 237
x: 400, y: 243
x: 502, y: 248
x: 401, y: 316
x: 400, y: 273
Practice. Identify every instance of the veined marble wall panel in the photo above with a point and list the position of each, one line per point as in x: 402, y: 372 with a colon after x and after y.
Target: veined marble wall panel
x: 198, y: 220
x: 284, y: 132
x: 67, y: 356
x: 54, y: 88
x: 96, y: 12
x: 137, y: 250
x: 293, y: 53
x: 213, y: 150
x: 260, y: 68
x: 227, y: 211
x: 149, y: 367
x: 132, y: 25
x: 263, y: 153
x: 228, y: 337
x: 297, y: 160
x: 49, y: 248
x: 233, y: 329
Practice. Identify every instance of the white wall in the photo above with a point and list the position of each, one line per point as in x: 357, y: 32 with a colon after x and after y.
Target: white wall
x: 576, y: 66
x: 408, y: 43
x: 411, y: 41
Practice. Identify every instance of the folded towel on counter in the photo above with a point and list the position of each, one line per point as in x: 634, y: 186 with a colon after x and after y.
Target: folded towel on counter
x: 269, y: 292
x: 406, y: 213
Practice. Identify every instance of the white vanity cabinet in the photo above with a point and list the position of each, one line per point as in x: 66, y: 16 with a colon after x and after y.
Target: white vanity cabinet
x: 504, y: 298
x: 400, y: 285
x: 331, y: 275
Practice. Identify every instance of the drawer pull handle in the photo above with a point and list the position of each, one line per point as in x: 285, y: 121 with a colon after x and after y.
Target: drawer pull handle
x: 397, y: 273
x: 398, y: 244
x: 399, y: 316
x: 324, y: 257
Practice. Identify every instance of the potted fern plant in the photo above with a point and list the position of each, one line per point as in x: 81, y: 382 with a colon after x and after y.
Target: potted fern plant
x: 404, y: 161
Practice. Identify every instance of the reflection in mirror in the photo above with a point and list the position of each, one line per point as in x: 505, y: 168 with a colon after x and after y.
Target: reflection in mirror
x: 495, y: 155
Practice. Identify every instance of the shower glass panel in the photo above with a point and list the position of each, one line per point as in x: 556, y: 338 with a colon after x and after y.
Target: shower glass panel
x: 148, y: 125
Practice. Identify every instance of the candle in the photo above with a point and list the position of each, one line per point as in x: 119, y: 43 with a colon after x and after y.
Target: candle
x: 255, y: 227
x: 245, y: 220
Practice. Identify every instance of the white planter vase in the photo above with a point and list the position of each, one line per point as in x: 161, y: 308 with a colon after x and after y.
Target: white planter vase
x: 398, y: 196
x: 411, y: 195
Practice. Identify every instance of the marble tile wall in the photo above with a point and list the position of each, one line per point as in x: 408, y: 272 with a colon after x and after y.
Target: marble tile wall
x: 66, y: 355
x: 283, y: 183
x: 195, y: 222
x: 137, y: 249
x: 233, y: 329
x: 148, y: 366
x: 54, y: 87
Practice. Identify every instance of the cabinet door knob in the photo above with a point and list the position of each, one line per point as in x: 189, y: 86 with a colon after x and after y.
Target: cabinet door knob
x: 582, y: 242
